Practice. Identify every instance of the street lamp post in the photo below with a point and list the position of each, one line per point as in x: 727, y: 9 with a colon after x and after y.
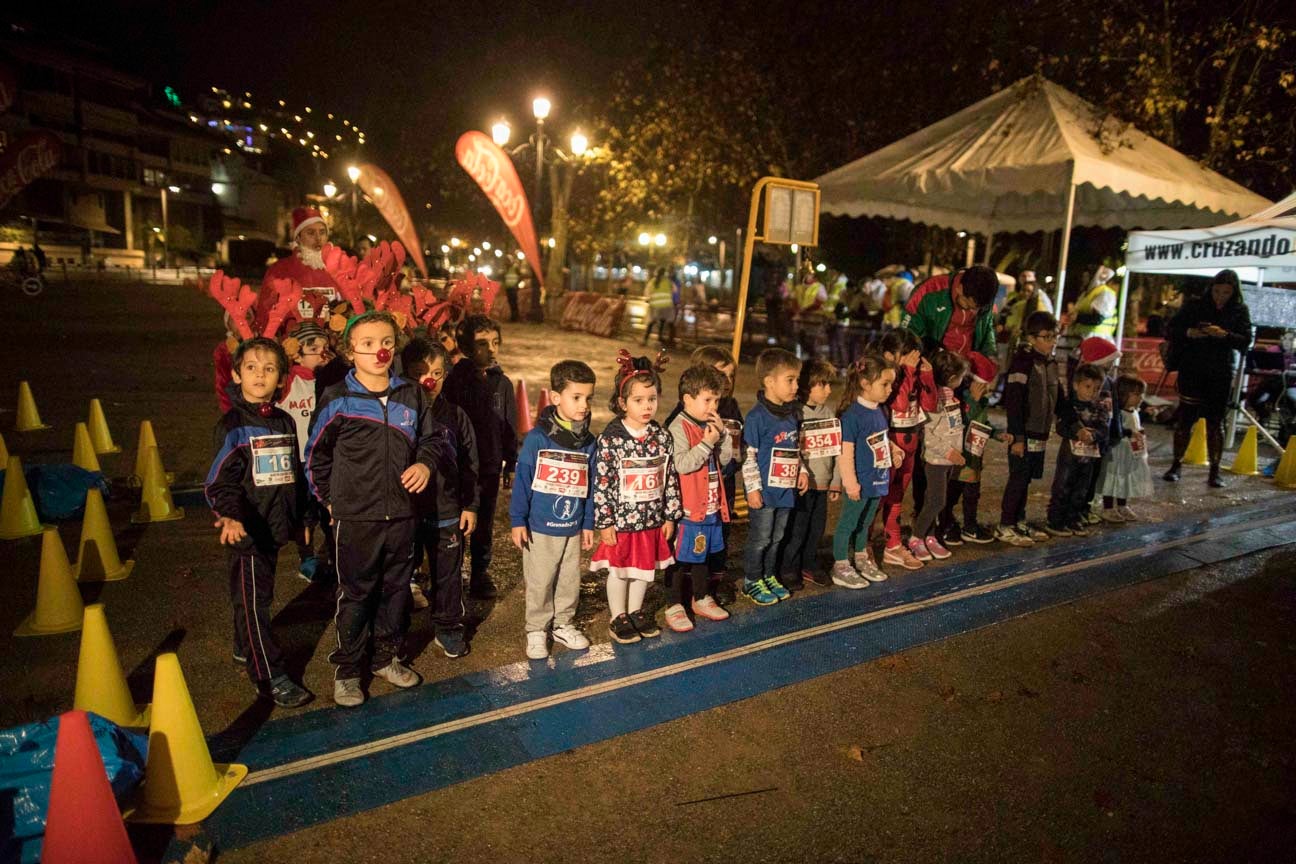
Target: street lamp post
x: 540, y: 108
x: 353, y: 171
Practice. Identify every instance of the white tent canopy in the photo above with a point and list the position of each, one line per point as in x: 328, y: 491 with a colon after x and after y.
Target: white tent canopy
x: 1034, y: 157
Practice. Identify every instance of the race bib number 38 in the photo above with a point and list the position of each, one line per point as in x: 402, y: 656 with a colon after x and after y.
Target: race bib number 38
x: 821, y: 438
x: 561, y: 472
x: 784, y: 467
x: 643, y: 479
x: 272, y: 459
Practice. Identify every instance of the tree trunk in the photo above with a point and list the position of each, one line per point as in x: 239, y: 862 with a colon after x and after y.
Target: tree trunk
x: 560, y: 186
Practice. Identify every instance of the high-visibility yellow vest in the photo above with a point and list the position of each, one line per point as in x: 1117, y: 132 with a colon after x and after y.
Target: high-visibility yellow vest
x: 1106, y: 327
x: 661, y: 294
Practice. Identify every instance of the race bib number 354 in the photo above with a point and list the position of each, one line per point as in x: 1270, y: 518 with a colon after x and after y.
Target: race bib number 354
x: 643, y: 479
x: 821, y: 438
x: 272, y: 459
x: 561, y: 472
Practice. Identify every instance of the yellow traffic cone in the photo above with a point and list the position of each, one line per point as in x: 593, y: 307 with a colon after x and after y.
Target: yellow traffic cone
x: 1285, y: 476
x: 100, y: 684
x: 97, y: 558
x: 4, y: 452
x: 58, y: 601
x: 1196, y: 452
x: 1247, y: 455
x: 146, y: 440
x: 99, y: 434
x: 28, y: 417
x: 181, y: 785
x: 17, y: 510
x: 155, y: 499
x: 83, y: 452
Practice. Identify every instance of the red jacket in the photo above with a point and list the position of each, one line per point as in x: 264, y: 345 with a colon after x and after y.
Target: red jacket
x: 913, y: 395
x: 694, y: 486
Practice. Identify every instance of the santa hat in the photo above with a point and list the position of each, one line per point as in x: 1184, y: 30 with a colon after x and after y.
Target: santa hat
x: 1099, y: 351
x: 303, y: 216
x: 982, y: 367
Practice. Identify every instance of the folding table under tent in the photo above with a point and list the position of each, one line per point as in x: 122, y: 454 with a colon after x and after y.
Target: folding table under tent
x: 1034, y: 157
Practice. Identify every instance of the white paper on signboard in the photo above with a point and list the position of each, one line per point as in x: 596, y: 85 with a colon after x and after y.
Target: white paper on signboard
x: 805, y: 216
x: 778, y: 214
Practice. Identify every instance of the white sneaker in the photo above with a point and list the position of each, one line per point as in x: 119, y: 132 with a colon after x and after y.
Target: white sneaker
x: 570, y: 636
x: 398, y: 674
x: 844, y: 575
x: 1112, y: 514
x: 1127, y: 514
x: 347, y: 692
x: 537, y: 645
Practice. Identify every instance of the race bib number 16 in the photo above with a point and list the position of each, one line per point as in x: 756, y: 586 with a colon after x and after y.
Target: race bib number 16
x: 272, y: 459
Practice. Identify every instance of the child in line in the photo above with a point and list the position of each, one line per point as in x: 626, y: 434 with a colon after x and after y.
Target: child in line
x: 1031, y: 394
x: 373, y: 446
x: 731, y: 415
x: 551, y: 511
x: 447, y: 508
x: 978, y: 430
x: 309, y: 349
x: 867, y: 461
x: 1125, y: 473
x: 636, y: 498
x: 821, y: 443
x: 701, y: 447
x: 913, y: 394
x: 256, y: 492
x: 942, y: 453
x: 1103, y: 353
x: 773, y: 472
x: 1082, y: 422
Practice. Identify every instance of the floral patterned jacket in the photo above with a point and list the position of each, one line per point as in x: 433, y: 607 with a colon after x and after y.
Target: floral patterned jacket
x: 635, y: 484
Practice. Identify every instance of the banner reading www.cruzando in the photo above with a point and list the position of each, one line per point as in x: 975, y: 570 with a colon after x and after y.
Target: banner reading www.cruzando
x: 491, y: 167
x: 387, y: 198
x: 1265, y: 245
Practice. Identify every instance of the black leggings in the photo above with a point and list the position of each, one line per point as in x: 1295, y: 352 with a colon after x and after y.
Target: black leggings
x: 1213, y: 413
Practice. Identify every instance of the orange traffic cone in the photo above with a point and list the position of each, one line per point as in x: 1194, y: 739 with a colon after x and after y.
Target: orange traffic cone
x: 83, y: 451
x: 58, y: 600
x: 99, y: 434
x: 100, y: 684
x: 523, y: 409
x: 181, y: 785
x: 543, y: 402
x: 146, y: 440
x: 97, y: 558
x: 28, y: 417
x: 155, y: 499
x: 83, y: 824
x: 17, y: 509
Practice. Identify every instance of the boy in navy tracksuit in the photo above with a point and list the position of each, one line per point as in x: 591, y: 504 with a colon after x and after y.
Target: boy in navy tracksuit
x: 255, y: 489
x: 551, y: 511
x: 373, y: 445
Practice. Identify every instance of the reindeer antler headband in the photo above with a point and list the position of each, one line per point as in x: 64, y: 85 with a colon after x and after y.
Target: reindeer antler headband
x: 633, y: 368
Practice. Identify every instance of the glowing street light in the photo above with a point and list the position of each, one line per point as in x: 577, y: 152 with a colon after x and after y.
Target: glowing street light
x: 521, y: 255
x: 540, y: 107
x: 329, y: 190
x: 712, y: 240
x: 455, y: 241
x: 486, y: 244
x: 644, y: 238
x: 353, y: 172
x: 660, y: 240
x: 501, y: 132
x: 445, y: 249
x: 579, y: 143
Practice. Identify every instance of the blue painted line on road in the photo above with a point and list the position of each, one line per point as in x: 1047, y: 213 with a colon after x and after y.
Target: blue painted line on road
x: 317, y: 766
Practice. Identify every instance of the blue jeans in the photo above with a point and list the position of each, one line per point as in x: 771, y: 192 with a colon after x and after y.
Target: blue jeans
x: 764, y: 534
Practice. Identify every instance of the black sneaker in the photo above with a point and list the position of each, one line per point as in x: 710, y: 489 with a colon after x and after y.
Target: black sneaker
x: 482, y: 588
x: 952, y: 535
x: 622, y: 629
x: 645, y: 623
x: 820, y: 578
x: 1215, y: 481
x: 452, y: 642
x: 1172, y: 475
x: 977, y: 533
x: 792, y: 581
x: 723, y: 592
x: 286, y: 693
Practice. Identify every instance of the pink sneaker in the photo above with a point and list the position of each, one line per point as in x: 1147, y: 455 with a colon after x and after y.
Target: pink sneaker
x: 901, y: 557
x: 709, y: 609
x: 677, y: 619
x: 937, y: 551
x: 919, y: 549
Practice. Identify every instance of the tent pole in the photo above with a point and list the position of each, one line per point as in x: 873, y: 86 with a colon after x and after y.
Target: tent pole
x: 1239, y: 381
x: 988, y: 247
x: 1066, y: 245
x: 1120, y: 313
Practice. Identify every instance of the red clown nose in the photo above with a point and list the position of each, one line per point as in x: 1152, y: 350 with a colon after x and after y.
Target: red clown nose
x: 430, y: 385
x: 384, y: 355
x: 265, y: 409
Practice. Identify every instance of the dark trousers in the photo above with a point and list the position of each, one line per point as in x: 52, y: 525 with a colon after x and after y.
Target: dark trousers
x: 512, y: 295
x: 252, y: 575
x: 374, y: 563
x: 1189, y: 414
x: 444, y: 548
x: 1070, y: 494
x: 661, y: 333
x: 919, y: 482
x: 721, y: 558
x: 939, y: 478
x: 480, y: 544
x: 970, y: 493
x: 1021, y: 470
x: 804, y: 531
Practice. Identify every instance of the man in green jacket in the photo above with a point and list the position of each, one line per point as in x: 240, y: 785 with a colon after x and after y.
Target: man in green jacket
x: 955, y: 311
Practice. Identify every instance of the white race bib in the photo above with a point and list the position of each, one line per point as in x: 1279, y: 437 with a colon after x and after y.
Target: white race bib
x: 561, y: 472
x: 821, y: 438
x: 713, y: 491
x: 1079, y: 448
x: 643, y: 479
x: 1034, y: 445
x: 784, y: 467
x: 1137, y: 444
x: 734, y: 428
x: 910, y: 416
x: 880, y: 445
x: 272, y: 459
x: 978, y: 434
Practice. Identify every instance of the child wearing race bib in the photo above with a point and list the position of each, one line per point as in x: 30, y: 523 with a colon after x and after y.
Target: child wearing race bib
x: 1125, y: 473
x: 551, y: 511
x: 307, y: 349
x: 1083, y: 422
x: 1031, y: 394
x: 256, y: 492
x: 867, y: 467
x: 977, y: 432
x: 447, y: 508
x: 912, y: 396
x: 636, y: 498
x: 821, y: 442
x: 719, y: 358
x: 942, y: 453
x: 701, y: 447
x: 773, y: 472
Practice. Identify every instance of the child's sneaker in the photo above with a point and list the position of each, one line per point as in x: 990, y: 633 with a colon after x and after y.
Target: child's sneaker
x: 844, y: 574
x: 792, y: 581
x: 570, y: 636
x: 286, y: 693
x: 419, y: 598
x: 622, y: 629
x: 677, y: 619
x: 452, y: 642
x: 645, y: 623
x: 1058, y: 530
x: 1112, y: 515
x: 723, y: 590
x: 347, y: 692
x: 821, y: 579
x: 937, y: 551
x: 1079, y: 529
x: 759, y: 593
x: 867, y: 567
x: 709, y: 609
x: 919, y: 550
x: 538, y: 644
x: 901, y: 557
x: 776, y: 588
x: 1034, y: 532
x: 306, y: 570
x: 1009, y: 534
x: 952, y: 535
x: 398, y: 674
x: 977, y: 533
x: 1127, y: 514
x: 1091, y: 518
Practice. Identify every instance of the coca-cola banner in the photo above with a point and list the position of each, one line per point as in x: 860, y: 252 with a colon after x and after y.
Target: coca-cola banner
x: 493, y: 170
x: 593, y: 313
x: 387, y: 198
x: 31, y: 156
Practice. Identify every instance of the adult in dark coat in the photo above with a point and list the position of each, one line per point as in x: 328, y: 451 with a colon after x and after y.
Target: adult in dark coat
x: 1207, y: 334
